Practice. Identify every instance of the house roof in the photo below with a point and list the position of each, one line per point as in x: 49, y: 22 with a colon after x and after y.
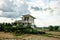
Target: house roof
x: 29, y: 15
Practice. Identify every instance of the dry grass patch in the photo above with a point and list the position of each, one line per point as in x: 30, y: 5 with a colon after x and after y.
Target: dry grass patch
x: 26, y: 37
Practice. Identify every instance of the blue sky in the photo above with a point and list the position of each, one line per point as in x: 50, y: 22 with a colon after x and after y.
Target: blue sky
x: 46, y: 11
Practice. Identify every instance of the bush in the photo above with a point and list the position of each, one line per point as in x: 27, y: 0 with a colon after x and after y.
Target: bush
x: 19, y: 29
x: 56, y: 28
x: 51, y: 28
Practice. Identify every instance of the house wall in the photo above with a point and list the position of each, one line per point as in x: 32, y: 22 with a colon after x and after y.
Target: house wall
x: 31, y: 20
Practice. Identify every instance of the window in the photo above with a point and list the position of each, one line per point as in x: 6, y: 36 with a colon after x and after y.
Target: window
x: 26, y: 18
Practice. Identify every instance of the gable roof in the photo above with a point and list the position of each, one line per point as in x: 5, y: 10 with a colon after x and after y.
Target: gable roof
x: 29, y: 15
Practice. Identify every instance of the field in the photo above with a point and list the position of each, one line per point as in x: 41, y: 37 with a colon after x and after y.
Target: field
x: 50, y: 36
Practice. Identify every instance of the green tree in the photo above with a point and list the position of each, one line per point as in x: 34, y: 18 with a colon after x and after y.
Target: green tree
x: 51, y: 28
x: 56, y: 28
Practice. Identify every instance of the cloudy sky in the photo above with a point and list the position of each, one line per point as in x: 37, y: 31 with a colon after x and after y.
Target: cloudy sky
x: 47, y: 12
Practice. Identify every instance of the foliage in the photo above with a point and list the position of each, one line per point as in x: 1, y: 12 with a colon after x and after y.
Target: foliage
x: 19, y: 29
x: 54, y: 28
x: 51, y: 28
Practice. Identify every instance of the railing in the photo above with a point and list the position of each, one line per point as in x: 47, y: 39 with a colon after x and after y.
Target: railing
x: 26, y: 22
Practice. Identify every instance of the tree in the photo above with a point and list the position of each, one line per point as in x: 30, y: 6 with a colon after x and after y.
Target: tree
x: 51, y: 28
x: 8, y: 27
x: 56, y: 28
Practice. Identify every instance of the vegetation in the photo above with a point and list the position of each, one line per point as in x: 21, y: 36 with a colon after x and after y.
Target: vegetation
x: 54, y: 28
x: 26, y: 29
x: 19, y: 29
x: 51, y: 28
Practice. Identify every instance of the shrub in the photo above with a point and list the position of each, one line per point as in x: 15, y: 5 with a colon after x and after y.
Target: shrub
x: 51, y: 28
x: 19, y: 29
x: 56, y: 28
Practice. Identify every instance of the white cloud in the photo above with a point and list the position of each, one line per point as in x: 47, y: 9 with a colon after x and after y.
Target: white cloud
x: 14, y: 8
x: 1, y: 3
x: 6, y: 20
x: 49, y: 15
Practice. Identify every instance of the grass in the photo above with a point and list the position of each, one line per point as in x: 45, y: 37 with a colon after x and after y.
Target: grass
x: 30, y: 36
x: 50, y: 35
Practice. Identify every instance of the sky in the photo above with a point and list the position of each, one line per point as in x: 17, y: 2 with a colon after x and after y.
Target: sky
x: 46, y: 12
